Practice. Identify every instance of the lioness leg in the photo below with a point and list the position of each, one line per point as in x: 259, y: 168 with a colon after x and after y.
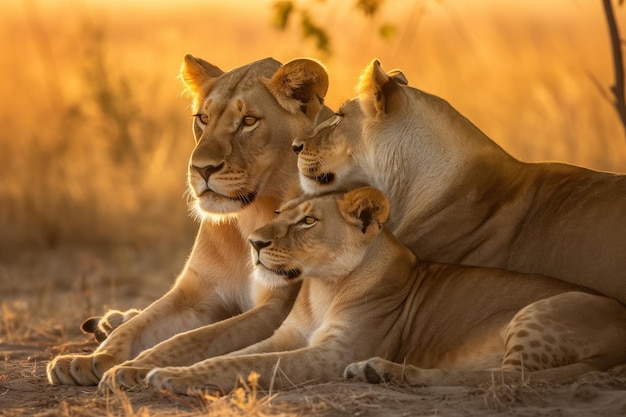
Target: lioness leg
x: 276, y: 369
x: 553, y: 340
x: 161, y: 320
x: 377, y: 370
x: 216, y: 339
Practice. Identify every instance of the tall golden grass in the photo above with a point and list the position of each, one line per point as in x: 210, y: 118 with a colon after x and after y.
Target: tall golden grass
x: 95, y: 136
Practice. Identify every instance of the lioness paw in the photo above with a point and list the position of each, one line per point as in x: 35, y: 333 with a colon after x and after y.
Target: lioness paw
x: 78, y: 369
x: 373, y: 371
x: 177, y: 380
x: 102, y: 326
x: 123, y: 377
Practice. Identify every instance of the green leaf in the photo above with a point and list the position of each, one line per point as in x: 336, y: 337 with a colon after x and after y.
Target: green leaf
x: 387, y: 31
x: 311, y: 30
x: 369, y: 7
x: 282, y: 11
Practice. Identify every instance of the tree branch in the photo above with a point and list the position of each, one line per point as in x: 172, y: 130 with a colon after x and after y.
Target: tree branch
x: 618, y: 64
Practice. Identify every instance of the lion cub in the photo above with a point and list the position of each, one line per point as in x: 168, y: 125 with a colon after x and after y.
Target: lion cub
x: 366, y: 295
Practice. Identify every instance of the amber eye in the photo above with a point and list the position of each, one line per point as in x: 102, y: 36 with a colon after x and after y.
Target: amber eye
x: 249, y: 120
x: 204, y: 118
x: 308, y: 221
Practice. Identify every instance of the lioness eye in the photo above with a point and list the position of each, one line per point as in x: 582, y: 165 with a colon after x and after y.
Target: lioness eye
x: 204, y: 118
x: 249, y: 120
x: 308, y: 221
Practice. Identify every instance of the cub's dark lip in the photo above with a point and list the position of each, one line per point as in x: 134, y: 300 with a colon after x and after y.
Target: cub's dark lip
x: 322, y: 179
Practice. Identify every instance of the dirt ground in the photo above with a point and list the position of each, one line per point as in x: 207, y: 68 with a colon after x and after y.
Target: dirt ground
x: 46, y: 293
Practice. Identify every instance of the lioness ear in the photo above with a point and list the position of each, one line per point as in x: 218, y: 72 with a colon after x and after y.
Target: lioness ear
x: 198, y: 75
x: 398, y: 76
x: 365, y: 207
x: 377, y: 89
x: 300, y: 86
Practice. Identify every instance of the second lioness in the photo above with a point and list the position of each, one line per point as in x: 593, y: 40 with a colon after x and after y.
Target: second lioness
x: 364, y: 294
x: 457, y: 197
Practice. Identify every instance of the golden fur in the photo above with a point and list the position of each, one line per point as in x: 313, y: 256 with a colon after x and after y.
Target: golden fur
x: 366, y: 295
x: 457, y: 197
x: 241, y: 169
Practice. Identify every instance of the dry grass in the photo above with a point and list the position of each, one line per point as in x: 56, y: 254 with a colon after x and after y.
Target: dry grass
x: 95, y: 140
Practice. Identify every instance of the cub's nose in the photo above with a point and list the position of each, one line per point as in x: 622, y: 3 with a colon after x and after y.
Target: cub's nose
x: 259, y: 244
x: 297, y: 148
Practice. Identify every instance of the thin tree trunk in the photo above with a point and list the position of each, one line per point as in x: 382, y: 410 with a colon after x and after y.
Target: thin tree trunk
x: 618, y: 64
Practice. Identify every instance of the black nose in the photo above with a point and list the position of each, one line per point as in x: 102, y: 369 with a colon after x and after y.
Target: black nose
x: 206, y: 171
x: 297, y: 148
x: 259, y: 244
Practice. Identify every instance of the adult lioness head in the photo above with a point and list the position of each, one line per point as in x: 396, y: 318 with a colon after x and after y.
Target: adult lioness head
x: 244, y: 122
x: 330, y: 156
x: 325, y: 237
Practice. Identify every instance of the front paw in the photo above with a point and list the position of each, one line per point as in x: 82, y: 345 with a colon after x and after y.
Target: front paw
x: 124, y: 376
x: 372, y: 371
x: 102, y: 326
x: 179, y: 380
x: 79, y: 369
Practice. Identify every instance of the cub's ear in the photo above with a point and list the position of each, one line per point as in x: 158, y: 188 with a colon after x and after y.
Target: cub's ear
x: 198, y: 75
x: 300, y: 86
x: 378, y: 91
x: 366, y: 207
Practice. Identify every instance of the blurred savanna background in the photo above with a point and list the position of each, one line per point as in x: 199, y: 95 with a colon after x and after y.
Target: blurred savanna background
x: 95, y: 134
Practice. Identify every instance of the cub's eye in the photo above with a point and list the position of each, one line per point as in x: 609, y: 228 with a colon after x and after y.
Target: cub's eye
x: 249, y: 120
x: 276, y: 212
x: 203, y: 118
x: 308, y: 221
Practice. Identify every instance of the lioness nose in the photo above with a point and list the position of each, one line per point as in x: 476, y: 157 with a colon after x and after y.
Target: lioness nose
x: 297, y: 148
x: 259, y: 244
x: 206, y: 171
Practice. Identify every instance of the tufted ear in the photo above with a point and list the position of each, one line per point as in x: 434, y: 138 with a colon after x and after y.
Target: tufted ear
x: 300, y: 86
x: 198, y: 75
x: 365, y: 207
x: 377, y: 90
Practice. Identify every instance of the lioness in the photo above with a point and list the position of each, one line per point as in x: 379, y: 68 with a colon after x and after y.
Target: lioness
x: 241, y: 169
x: 457, y: 197
x: 365, y: 294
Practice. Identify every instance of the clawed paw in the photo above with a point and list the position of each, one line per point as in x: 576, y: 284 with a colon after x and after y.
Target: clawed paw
x: 177, y: 380
x: 123, y: 377
x: 78, y: 369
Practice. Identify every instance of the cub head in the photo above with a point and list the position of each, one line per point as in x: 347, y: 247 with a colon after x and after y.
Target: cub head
x: 329, y: 156
x: 325, y: 237
x: 244, y: 121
